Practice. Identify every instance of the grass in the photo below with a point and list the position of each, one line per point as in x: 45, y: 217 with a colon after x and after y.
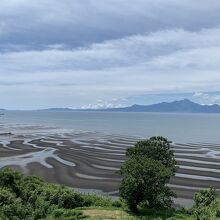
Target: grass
x: 104, y: 208
x: 105, y: 214
x: 97, y: 213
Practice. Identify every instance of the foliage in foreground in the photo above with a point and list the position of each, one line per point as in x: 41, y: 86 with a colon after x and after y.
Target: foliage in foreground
x: 206, y: 205
x: 31, y: 198
x: 146, y: 173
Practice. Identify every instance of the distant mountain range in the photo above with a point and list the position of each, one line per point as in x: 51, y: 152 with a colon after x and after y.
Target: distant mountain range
x: 182, y: 106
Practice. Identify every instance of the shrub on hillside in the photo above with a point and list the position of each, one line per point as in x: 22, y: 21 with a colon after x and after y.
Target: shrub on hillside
x: 31, y: 198
x: 64, y: 214
x: 101, y: 201
x: 205, y: 204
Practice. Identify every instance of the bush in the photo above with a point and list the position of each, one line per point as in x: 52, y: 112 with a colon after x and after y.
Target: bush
x: 205, y: 197
x: 205, y: 206
x: 6, y: 197
x: 205, y: 213
x: 62, y: 196
x: 67, y: 214
x: 101, y: 201
x: 118, y: 203
x: 32, y: 198
x: 11, y: 179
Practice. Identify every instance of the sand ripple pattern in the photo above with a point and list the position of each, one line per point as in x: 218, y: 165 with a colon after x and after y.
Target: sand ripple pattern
x: 87, y: 160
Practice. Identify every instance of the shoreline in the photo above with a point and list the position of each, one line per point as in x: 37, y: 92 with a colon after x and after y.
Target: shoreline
x: 89, y: 160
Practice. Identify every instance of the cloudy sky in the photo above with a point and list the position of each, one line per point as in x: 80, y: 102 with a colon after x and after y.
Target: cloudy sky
x: 95, y: 53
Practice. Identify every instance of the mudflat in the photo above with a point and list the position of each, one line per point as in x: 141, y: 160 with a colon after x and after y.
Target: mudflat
x: 89, y: 160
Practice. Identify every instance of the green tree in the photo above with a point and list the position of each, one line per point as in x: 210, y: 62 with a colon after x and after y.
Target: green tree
x: 157, y: 148
x: 146, y: 173
x: 144, y: 181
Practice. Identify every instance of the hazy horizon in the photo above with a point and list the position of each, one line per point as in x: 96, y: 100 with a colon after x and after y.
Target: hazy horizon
x: 115, y: 107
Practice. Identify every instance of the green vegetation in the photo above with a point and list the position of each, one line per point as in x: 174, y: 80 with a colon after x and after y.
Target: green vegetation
x: 144, y: 182
x: 156, y: 148
x: 147, y: 214
x: 31, y: 198
x: 146, y: 173
x: 207, y: 205
x: 143, y: 190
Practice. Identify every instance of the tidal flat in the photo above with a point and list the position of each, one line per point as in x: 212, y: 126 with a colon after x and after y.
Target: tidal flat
x: 89, y: 161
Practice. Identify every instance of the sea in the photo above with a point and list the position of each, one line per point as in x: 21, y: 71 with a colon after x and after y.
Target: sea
x: 177, y: 127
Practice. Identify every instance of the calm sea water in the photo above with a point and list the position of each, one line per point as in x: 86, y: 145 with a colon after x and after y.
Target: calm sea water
x: 177, y: 127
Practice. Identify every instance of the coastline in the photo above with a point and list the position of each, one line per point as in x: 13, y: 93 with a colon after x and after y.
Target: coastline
x: 89, y: 160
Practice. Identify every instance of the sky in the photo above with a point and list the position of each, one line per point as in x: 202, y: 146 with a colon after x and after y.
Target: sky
x: 112, y: 53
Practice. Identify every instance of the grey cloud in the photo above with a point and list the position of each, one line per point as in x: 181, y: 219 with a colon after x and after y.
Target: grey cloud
x: 78, y: 51
x: 163, y: 49
x: 80, y: 23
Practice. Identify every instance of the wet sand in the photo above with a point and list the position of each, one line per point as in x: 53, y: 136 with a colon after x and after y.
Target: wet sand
x: 87, y: 160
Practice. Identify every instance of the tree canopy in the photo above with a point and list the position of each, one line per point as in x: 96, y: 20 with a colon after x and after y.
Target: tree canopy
x: 156, y: 148
x: 146, y: 173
